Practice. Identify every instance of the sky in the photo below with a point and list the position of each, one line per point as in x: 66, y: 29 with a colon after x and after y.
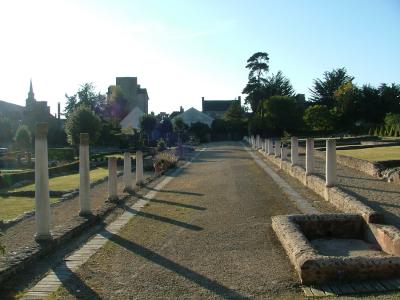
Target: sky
x: 182, y: 50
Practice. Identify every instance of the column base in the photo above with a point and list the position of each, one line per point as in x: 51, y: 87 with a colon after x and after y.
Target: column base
x: 43, y: 237
x: 85, y: 213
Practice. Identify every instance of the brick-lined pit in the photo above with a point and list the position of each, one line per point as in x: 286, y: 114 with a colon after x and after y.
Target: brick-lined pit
x: 299, y: 235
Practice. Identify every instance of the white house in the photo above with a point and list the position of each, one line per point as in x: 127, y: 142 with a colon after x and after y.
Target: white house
x: 192, y: 115
x: 132, y: 119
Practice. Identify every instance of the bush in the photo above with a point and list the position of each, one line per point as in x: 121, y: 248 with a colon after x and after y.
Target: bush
x: 164, y: 161
x: 161, y: 145
x: 62, y: 154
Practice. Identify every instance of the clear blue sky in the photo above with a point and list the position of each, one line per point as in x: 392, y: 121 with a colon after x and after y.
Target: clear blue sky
x: 183, y: 50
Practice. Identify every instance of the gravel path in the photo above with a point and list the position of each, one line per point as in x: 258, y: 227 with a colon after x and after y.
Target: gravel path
x: 207, y: 234
x: 377, y: 194
x: 22, y: 233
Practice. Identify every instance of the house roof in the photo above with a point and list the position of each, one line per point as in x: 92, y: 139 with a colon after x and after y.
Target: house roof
x: 132, y: 119
x: 217, y: 105
x: 192, y: 115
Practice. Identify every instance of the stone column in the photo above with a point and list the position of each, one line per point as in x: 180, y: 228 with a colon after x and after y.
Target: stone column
x: 42, y: 184
x: 277, y: 148
x: 112, y: 179
x: 294, y: 150
x: 84, y: 175
x: 127, y: 178
x: 283, y: 152
x: 266, y: 145
x: 258, y: 142
x: 309, y: 156
x: 270, y: 147
x: 139, y: 167
x: 330, y: 167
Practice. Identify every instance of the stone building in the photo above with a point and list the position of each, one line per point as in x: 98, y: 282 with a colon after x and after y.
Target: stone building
x: 217, y: 108
x: 132, y: 92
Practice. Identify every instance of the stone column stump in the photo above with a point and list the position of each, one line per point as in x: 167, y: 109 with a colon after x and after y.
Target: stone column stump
x: 84, y: 175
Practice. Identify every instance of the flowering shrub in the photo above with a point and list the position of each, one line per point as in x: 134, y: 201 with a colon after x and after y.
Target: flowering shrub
x: 164, y: 161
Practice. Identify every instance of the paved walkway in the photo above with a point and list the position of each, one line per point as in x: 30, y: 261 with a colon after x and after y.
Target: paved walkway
x: 205, y: 234
x: 377, y: 194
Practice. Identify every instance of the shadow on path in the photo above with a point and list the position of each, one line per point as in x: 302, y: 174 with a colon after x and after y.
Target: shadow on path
x: 163, y: 219
x: 75, y: 286
x: 175, y: 192
x: 173, y: 203
x: 193, y: 276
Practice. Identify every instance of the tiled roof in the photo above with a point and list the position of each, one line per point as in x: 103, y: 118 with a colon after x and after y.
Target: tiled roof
x: 217, y: 105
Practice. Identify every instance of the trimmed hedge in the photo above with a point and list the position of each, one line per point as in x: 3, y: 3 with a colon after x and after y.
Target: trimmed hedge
x: 7, y: 180
x: 61, y: 154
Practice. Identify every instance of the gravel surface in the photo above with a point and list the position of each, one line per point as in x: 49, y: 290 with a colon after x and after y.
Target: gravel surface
x: 377, y: 194
x: 22, y: 233
x: 206, y: 235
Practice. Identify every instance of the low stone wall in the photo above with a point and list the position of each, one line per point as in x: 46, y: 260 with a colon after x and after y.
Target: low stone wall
x: 335, y: 195
x: 314, y: 268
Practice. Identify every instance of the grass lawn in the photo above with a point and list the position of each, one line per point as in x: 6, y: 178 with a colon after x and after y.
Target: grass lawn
x: 68, y: 182
x: 374, y: 154
x: 12, y: 207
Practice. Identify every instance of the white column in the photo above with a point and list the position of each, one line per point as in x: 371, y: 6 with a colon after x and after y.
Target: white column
x: 277, y: 148
x: 266, y: 145
x: 139, y: 167
x: 330, y: 167
x: 262, y: 144
x: 294, y: 150
x: 270, y: 147
x: 283, y: 152
x: 309, y: 156
x: 127, y: 177
x: 84, y: 175
x: 258, y: 141
x: 112, y: 178
x: 42, y: 184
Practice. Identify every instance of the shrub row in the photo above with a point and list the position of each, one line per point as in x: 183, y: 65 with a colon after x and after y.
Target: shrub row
x: 61, y: 154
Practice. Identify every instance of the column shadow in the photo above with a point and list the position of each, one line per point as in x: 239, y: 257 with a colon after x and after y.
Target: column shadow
x: 191, y: 275
x: 73, y: 284
x: 163, y: 219
x: 175, y: 192
x: 173, y: 203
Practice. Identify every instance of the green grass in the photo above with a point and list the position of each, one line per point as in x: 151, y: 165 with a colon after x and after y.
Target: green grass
x: 374, y: 154
x: 12, y: 207
x: 68, y: 182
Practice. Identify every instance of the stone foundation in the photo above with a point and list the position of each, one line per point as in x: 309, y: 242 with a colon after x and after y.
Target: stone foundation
x: 298, y: 233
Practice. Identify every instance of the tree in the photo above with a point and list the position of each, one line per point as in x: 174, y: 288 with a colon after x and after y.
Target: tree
x: 282, y: 114
x: 318, y: 117
x: 147, y: 124
x: 82, y: 120
x: 235, y: 112
x: 392, y: 120
x: 200, y: 130
x: 23, y: 138
x: 117, y: 106
x: 86, y: 96
x: 258, y: 64
x: 6, y: 131
x: 323, y: 90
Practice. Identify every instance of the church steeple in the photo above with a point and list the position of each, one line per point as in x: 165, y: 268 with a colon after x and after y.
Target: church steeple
x: 31, y: 96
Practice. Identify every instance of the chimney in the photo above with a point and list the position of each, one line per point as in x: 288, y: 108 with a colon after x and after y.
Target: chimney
x: 181, y: 109
x: 202, y: 104
x: 59, y: 110
x: 240, y: 100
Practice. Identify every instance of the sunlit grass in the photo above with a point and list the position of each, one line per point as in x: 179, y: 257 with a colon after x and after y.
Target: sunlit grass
x: 68, y: 182
x: 121, y: 156
x: 374, y: 154
x: 12, y: 207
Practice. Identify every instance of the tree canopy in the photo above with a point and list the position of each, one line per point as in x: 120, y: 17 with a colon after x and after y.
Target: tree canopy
x: 82, y: 120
